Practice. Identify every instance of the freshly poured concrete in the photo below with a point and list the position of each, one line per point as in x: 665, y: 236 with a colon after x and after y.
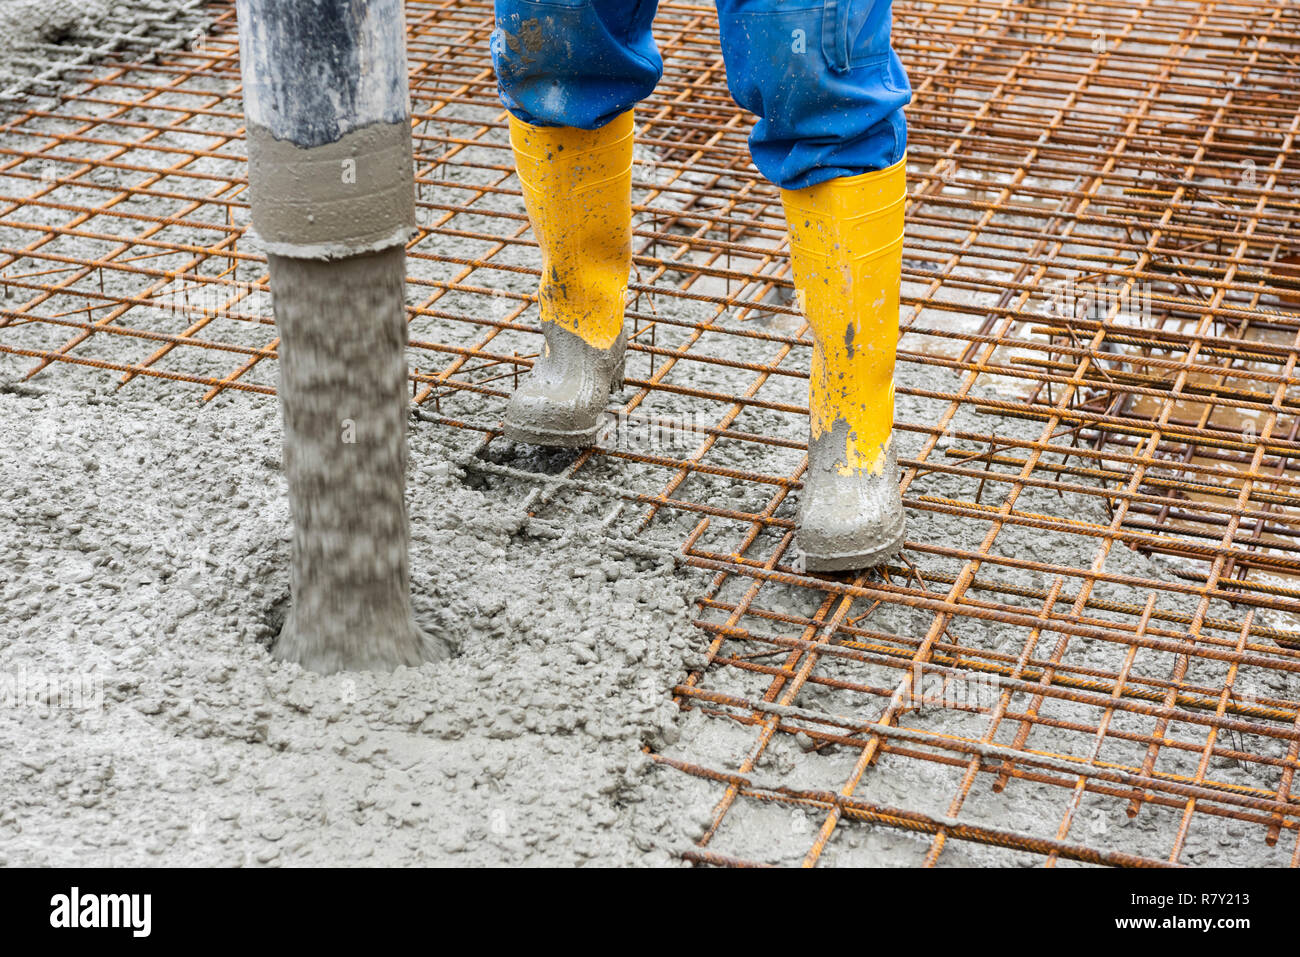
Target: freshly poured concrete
x: 25, y: 23
x: 152, y: 556
x: 343, y: 400
x: 31, y: 31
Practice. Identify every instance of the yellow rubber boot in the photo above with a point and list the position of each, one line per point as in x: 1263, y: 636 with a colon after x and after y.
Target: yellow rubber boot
x: 577, y: 186
x: 846, y: 247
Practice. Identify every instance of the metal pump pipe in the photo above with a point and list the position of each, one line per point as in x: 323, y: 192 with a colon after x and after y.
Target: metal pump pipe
x: 332, y: 185
x: 329, y: 125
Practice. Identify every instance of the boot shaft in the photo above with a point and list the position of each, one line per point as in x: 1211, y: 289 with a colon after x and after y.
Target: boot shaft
x: 577, y: 186
x: 846, y: 242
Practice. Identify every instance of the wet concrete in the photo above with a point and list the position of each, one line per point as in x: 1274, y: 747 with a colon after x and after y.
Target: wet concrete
x: 343, y: 399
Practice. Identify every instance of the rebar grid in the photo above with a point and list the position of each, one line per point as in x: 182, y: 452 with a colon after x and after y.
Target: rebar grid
x: 38, y: 66
x: 1097, y: 393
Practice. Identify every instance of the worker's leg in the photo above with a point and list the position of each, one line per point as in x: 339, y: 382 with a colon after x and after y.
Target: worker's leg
x: 829, y: 91
x: 570, y: 73
x: 826, y: 86
x: 574, y: 63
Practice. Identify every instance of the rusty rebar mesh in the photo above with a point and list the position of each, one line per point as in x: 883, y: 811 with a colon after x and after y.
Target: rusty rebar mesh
x: 1097, y: 390
x: 37, y: 65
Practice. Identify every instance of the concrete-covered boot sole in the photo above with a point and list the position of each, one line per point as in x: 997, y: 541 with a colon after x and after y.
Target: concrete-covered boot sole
x: 560, y: 402
x: 577, y: 187
x: 850, y: 521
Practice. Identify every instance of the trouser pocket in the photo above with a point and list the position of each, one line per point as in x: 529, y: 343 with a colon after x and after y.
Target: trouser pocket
x: 848, y: 38
x: 856, y: 36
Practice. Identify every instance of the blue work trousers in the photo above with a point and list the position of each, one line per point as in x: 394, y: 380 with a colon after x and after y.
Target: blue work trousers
x: 821, y: 77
